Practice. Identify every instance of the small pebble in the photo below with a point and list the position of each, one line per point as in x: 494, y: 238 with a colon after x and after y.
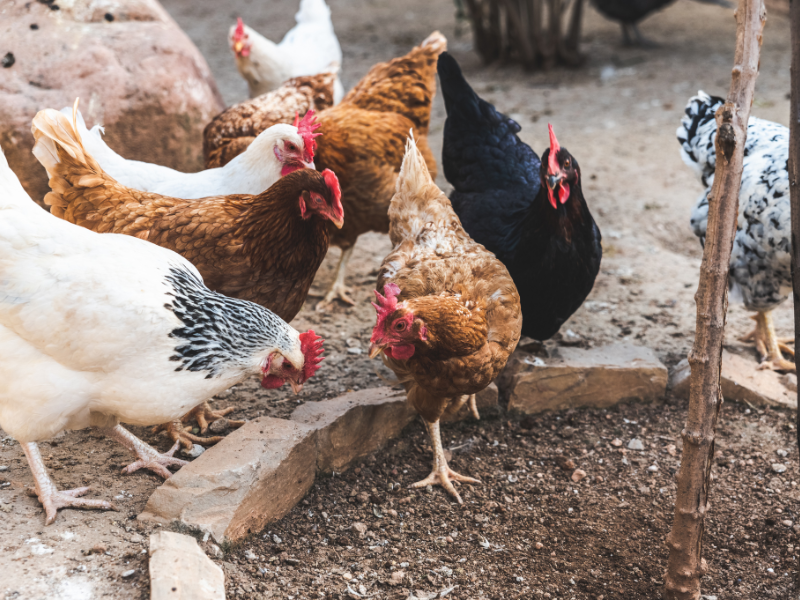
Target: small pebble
x: 276, y: 539
x: 616, y: 442
x: 250, y: 555
x: 787, y: 523
x: 539, y: 545
x: 782, y: 453
x: 653, y: 468
x: 567, y: 432
x: 779, y: 468
x: 578, y: 474
x: 196, y: 451
x: 635, y: 444
x: 220, y: 425
x: 354, y: 351
x: 3, y: 468
x: 129, y: 573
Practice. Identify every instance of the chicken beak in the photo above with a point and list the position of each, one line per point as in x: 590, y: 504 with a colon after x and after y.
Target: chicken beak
x: 237, y: 47
x: 338, y: 222
x: 375, y: 349
x: 296, y: 387
x: 554, y: 180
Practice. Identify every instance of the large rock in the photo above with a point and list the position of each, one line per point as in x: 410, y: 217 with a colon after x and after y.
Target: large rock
x: 135, y: 71
x: 599, y: 377
x: 742, y: 382
x: 254, y: 476
x: 180, y: 570
x: 355, y: 425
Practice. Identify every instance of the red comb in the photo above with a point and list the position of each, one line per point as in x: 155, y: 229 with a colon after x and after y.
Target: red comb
x: 306, y: 127
x: 239, y: 32
x: 311, y: 345
x: 552, y: 160
x: 386, y: 304
x: 333, y: 184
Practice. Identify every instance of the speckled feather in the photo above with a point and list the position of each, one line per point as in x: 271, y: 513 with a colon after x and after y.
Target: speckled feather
x: 760, y: 269
x: 461, y: 291
x: 363, y: 137
x: 256, y: 248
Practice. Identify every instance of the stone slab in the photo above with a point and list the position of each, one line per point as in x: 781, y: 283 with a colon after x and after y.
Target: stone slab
x: 597, y: 377
x: 741, y: 382
x: 180, y: 570
x: 354, y: 425
x: 252, y: 477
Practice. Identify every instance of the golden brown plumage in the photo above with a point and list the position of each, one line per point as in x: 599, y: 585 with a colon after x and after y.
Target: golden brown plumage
x: 449, y: 315
x: 258, y: 248
x: 232, y: 131
x: 363, y: 141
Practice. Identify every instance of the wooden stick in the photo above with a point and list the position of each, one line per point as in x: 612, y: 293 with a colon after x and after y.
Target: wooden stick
x: 686, y: 565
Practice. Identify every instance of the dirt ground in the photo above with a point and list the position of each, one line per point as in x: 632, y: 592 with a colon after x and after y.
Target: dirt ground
x: 600, y: 538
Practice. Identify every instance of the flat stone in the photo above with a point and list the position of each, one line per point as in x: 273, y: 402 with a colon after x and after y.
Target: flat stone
x: 180, y: 570
x: 133, y: 68
x: 354, y: 425
x: 252, y: 477
x: 597, y: 377
x: 742, y: 382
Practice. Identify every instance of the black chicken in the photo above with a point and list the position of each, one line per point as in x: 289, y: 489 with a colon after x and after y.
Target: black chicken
x: 530, y: 213
x: 629, y: 12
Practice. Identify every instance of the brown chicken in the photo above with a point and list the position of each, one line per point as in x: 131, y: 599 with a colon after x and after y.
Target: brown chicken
x: 231, y: 132
x: 449, y: 315
x: 363, y: 142
x: 265, y: 248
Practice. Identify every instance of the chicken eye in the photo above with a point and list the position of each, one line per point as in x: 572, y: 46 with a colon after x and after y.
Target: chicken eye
x: 291, y: 146
x: 317, y: 199
x: 567, y: 164
x: 400, y: 326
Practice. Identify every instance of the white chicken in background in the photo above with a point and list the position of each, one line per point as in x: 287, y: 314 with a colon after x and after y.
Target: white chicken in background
x: 310, y: 47
x: 761, y: 266
x: 98, y: 329
x: 276, y: 151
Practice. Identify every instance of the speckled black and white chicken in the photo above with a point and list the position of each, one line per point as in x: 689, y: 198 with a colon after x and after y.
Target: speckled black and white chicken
x: 760, y: 271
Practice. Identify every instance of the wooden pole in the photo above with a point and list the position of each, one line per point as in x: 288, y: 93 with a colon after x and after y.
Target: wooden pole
x: 686, y: 565
x: 794, y: 192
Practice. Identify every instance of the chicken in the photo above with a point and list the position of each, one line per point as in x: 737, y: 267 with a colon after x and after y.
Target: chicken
x: 363, y: 143
x: 629, y: 12
x: 265, y: 248
x: 276, y: 151
x: 101, y: 329
x: 310, y: 47
x: 231, y: 132
x: 531, y: 214
x: 760, y: 272
x: 449, y: 315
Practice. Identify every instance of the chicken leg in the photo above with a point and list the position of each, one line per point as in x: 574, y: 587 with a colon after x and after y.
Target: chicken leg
x: 149, y: 457
x: 768, y: 344
x: 51, y: 498
x: 473, y: 407
x: 441, y: 473
x: 204, y: 415
x: 338, y: 289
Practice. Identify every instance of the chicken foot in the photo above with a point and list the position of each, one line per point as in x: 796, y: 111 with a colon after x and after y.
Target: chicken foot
x: 338, y: 289
x: 149, y: 457
x: 51, y: 498
x: 473, y: 407
x: 204, y: 415
x: 769, y: 345
x: 442, y: 474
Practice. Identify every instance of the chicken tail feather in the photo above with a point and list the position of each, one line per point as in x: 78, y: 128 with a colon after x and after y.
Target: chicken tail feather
x: 52, y: 129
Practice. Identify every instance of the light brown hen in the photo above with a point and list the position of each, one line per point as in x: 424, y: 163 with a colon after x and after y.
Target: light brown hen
x: 449, y: 315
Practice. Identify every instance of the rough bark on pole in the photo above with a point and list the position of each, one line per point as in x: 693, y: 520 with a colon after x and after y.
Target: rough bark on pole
x: 686, y: 565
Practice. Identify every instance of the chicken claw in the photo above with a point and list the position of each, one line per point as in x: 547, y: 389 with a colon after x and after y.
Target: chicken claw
x: 149, y: 457
x: 442, y: 474
x: 338, y: 289
x: 473, y: 407
x: 769, y: 345
x: 205, y: 415
x: 184, y: 435
x: 51, y: 498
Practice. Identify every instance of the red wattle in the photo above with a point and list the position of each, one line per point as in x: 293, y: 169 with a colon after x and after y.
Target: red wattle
x: 401, y: 352
x: 287, y: 168
x: 272, y: 382
x: 552, y: 198
x: 563, y: 193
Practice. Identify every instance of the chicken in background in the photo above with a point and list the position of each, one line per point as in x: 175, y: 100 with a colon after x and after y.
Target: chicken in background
x: 101, y: 329
x: 231, y: 132
x: 310, y: 47
x: 449, y: 315
x: 363, y: 143
x: 275, y: 152
x: 760, y: 272
x: 531, y: 214
x: 264, y: 248
x: 628, y: 13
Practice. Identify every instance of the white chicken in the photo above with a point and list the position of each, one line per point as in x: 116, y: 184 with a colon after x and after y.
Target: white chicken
x: 275, y: 152
x: 98, y: 329
x: 310, y: 47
